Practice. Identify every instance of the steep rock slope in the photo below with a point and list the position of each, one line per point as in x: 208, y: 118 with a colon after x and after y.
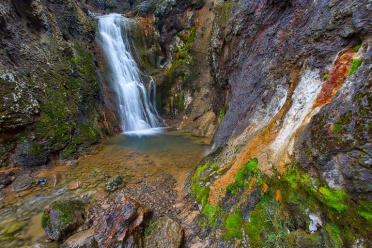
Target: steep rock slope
x: 52, y: 95
x: 291, y: 166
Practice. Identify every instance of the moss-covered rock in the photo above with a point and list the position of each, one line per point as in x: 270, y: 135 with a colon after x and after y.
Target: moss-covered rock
x: 62, y: 218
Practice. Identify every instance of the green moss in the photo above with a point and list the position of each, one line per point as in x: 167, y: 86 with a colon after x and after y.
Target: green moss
x: 325, y: 76
x: 67, y: 209
x: 179, y: 101
x: 248, y: 168
x: 182, y: 54
x: 222, y: 113
x: 256, y: 226
x: 14, y: 228
x: 202, y: 194
x: 198, y: 172
x: 233, y: 224
x: 231, y: 187
x: 212, y: 213
x: 214, y: 167
x: 226, y: 7
x: 45, y: 220
x: 356, y: 63
x: 300, y: 238
x: 334, y: 233
x: 334, y: 199
x: 356, y: 48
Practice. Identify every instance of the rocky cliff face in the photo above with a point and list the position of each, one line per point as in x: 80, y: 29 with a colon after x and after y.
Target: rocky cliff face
x: 53, y: 98
x: 294, y: 77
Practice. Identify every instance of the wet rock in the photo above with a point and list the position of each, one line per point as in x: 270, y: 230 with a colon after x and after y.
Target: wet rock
x: 62, y: 218
x: 53, y: 180
x: 75, y: 185
x: 23, y: 182
x: 123, y: 218
x: 83, y: 239
x: 42, y: 243
x: 42, y: 181
x: 165, y: 233
x: 114, y: 183
x: 5, y: 181
x: 72, y: 162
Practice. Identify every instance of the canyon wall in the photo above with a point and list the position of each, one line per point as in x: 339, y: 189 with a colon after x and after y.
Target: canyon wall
x: 55, y: 102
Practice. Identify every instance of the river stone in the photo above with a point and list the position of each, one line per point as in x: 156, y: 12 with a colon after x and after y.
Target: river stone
x: 53, y: 180
x: 122, y: 224
x: 167, y: 233
x: 114, y: 183
x: 83, y: 239
x: 62, y: 218
x: 23, y: 182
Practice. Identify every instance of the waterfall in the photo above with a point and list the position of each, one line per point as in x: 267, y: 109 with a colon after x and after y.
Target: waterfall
x: 135, y: 91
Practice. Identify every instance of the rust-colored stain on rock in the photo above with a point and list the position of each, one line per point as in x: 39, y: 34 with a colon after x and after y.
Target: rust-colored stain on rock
x: 336, y: 78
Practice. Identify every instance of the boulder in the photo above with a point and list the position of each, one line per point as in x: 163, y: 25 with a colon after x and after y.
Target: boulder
x: 23, y: 182
x: 165, y: 232
x: 122, y: 223
x: 83, y: 239
x: 62, y: 218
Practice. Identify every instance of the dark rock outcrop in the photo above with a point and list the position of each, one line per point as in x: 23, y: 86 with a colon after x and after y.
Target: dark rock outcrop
x: 62, y: 218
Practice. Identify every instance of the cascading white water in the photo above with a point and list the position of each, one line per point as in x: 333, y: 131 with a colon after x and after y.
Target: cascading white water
x: 137, y: 104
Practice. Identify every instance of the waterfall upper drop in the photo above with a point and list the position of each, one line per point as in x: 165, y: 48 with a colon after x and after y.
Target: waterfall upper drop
x: 135, y: 91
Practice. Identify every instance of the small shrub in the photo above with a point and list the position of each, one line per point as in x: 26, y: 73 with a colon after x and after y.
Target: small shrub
x: 325, y: 76
x: 215, y: 167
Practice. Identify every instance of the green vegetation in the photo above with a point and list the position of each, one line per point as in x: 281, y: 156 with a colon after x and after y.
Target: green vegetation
x: 179, y: 101
x: 222, y: 113
x: 256, y: 226
x: 214, y: 167
x: 233, y: 224
x: 281, y: 217
x: 199, y: 170
x: 334, y: 199
x: 226, y: 7
x: 356, y: 63
x: 356, y: 48
x: 212, y: 213
x: 325, y: 76
x: 245, y: 175
x: 231, y: 187
x: 334, y: 233
x: 67, y: 210
x: 150, y: 228
x: 45, y: 220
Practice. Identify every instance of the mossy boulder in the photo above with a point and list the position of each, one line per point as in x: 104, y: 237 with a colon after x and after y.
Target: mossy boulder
x: 62, y: 218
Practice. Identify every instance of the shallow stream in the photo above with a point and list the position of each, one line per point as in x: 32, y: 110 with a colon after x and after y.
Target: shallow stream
x: 132, y: 157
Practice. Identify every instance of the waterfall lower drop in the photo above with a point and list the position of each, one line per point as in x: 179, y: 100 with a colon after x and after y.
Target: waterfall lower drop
x: 137, y: 101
